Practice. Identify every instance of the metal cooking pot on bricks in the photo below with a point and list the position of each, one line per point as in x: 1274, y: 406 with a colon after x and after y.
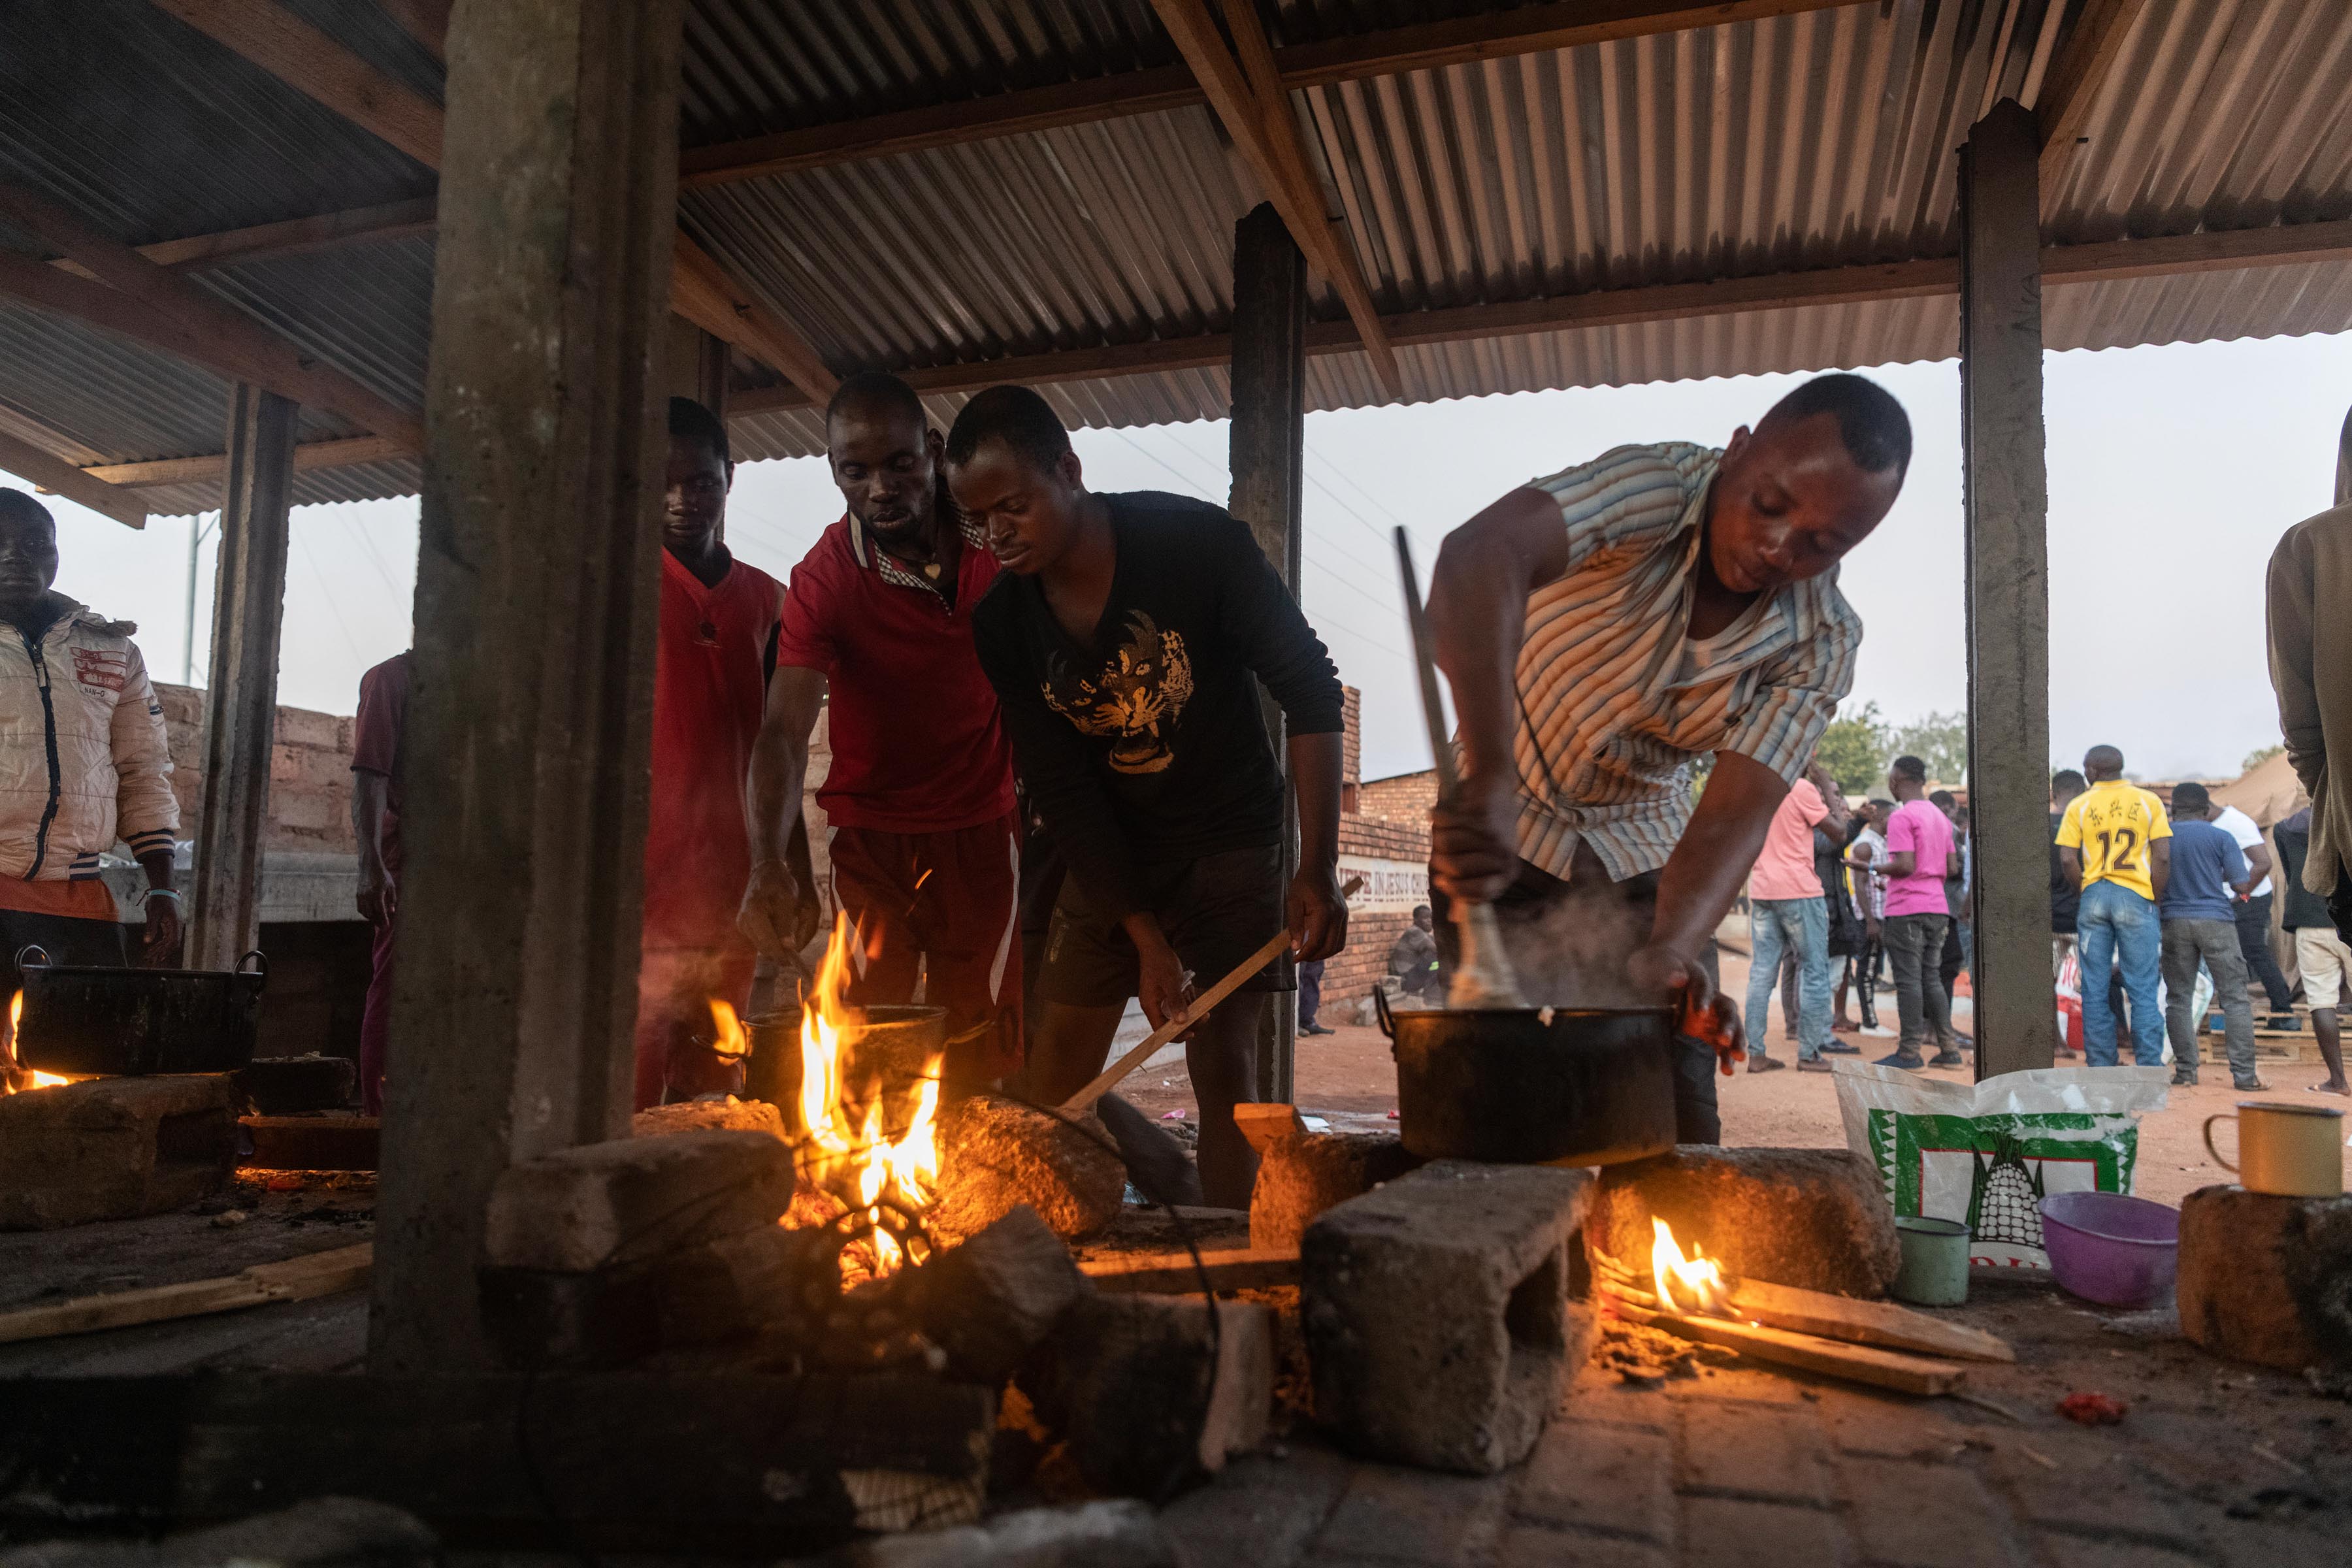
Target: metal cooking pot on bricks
x: 1564, y: 1086
x: 886, y: 1055
x: 83, y: 1019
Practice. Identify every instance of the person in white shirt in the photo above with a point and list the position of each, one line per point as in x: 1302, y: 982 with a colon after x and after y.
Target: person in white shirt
x: 2253, y: 916
x: 1865, y: 860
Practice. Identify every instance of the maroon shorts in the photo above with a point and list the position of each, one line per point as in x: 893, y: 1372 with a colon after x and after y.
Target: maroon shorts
x: 943, y: 907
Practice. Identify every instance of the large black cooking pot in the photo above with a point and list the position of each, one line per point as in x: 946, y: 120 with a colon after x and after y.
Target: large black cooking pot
x: 82, y: 1020
x: 1590, y: 1087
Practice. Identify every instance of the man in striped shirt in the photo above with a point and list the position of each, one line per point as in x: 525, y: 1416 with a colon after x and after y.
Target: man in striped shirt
x: 1607, y: 628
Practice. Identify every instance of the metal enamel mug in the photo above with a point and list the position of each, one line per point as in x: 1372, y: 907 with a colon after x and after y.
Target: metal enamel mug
x: 2289, y: 1150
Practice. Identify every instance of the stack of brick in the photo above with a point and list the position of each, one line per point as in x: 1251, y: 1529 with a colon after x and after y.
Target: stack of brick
x: 310, y: 772
x: 1384, y: 838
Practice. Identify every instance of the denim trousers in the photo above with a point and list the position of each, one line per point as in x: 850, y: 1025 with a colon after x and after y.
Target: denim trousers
x: 1916, y: 944
x: 2216, y: 943
x: 2254, y: 922
x: 1801, y: 927
x: 2113, y: 922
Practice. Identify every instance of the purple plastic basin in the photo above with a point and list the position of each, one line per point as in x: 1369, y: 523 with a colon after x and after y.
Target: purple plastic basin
x: 2106, y: 1247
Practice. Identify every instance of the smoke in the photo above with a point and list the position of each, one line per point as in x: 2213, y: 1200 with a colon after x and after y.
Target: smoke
x: 1570, y: 947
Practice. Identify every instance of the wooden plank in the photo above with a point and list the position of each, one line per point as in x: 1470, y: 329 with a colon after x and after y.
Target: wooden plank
x: 2094, y: 43
x: 51, y: 472
x: 293, y: 236
x: 702, y: 292
x: 1531, y: 29
x: 336, y: 1143
x: 1172, y: 1273
x: 349, y: 452
x: 299, y: 55
x: 1266, y: 134
x: 742, y: 1464
x: 426, y: 21
x: 1856, y: 1363
x: 298, y: 1279
x: 1817, y: 1312
x: 137, y: 298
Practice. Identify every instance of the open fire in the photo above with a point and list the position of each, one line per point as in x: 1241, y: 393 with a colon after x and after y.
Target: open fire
x: 1693, y: 1284
x: 14, y: 1080
x: 847, y: 1110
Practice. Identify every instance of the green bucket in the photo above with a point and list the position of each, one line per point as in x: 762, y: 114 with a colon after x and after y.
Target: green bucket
x: 1935, y: 1271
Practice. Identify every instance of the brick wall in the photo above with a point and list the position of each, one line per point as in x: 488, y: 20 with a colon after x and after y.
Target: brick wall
x: 310, y: 772
x: 1406, y: 797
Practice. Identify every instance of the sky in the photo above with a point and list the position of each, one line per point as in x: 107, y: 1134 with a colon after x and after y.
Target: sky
x: 2173, y: 470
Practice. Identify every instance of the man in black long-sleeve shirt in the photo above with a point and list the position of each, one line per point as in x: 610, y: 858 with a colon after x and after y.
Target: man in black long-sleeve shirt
x: 1122, y: 639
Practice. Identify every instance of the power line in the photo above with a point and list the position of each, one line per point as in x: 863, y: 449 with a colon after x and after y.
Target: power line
x: 334, y: 609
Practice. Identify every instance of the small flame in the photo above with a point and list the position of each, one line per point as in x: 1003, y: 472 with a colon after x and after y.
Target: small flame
x: 734, y: 1041
x: 846, y: 1148
x: 24, y: 1079
x: 1692, y: 1284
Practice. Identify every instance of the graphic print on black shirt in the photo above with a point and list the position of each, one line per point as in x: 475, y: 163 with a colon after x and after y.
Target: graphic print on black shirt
x: 1135, y: 698
x: 1144, y: 744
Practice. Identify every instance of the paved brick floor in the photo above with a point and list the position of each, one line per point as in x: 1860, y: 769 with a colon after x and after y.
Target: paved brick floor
x: 2214, y: 1464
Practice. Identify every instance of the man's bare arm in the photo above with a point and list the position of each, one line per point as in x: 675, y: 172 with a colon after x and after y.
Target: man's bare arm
x: 371, y: 799
x: 772, y: 902
x: 1477, y: 617
x: 1704, y: 874
x: 2071, y: 860
x: 2159, y: 866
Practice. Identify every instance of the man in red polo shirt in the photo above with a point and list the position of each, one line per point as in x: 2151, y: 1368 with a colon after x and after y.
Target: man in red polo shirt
x: 926, y: 839
x: 717, y: 614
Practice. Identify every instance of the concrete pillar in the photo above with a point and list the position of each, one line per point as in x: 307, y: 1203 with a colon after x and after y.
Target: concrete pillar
x: 241, y: 699
x: 1268, y: 460
x: 536, y: 604
x: 2008, y: 503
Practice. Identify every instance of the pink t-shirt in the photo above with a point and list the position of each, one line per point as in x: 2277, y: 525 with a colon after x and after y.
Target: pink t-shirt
x: 1928, y: 834
x: 1785, y: 869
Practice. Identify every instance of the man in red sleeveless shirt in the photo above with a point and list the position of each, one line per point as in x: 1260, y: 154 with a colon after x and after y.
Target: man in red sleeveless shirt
x: 717, y: 615
x: 926, y: 842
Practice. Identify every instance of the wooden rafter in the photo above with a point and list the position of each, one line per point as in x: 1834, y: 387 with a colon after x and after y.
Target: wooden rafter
x: 315, y: 65
x: 52, y: 472
x: 1266, y: 134
x: 349, y: 452
x: 426, y: 21
x: 2071, y: 87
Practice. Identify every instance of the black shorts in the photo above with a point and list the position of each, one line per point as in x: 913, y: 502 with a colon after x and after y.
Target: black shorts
x: 1215, y: 912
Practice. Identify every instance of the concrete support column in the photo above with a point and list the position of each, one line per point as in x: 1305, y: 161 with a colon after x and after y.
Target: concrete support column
x: 2008, y: 503
x: 1268, y: 458
x: 241, y: 699
x: 536, y: 605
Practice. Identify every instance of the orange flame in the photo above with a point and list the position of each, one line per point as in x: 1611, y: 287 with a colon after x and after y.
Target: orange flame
x: 24, y: 1078
x: 1686, y: 1285
x: 734, y: 1041
x: 846, y: 1148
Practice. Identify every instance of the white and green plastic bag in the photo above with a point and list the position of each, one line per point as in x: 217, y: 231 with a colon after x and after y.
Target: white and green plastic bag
x: 1988, y: 1154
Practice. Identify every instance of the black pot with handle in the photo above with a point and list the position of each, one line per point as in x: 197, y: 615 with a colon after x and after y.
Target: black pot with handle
x: 86, y: 1019
x: 1560, y: 1086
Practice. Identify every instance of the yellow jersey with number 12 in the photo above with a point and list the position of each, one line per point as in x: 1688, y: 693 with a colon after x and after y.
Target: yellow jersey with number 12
x: 2112, y: 824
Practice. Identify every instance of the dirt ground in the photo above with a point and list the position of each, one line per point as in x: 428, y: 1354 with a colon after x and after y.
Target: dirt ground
x: 1351, y: 1070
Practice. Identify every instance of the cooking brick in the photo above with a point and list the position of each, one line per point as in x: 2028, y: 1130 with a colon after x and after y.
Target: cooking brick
x: 113, y: 1148
x: 1814, y: 1218
x: 633, y: 1198
x: 2262, y: 1277
x: 1437, y: 1314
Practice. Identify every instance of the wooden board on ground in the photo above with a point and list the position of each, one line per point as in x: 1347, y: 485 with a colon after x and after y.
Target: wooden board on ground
x: 737, y: 1465
x: 315, y: 1143
x: 1818, y: 1313
x: 1174, y: 1273
x: 1896, y: 1370
x: 297, y: 1279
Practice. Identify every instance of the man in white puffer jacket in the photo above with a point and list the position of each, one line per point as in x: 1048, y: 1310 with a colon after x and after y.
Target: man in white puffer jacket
x: 82, y: 764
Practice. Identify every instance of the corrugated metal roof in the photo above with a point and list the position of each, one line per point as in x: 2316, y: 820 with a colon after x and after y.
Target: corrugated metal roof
x: 1802, y: 142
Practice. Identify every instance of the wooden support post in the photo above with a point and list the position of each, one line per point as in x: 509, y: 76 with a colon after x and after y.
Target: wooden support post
x: 1268, y: 460
x: 2007, y: 502
x: 241, y: 703
x: 536, y: 608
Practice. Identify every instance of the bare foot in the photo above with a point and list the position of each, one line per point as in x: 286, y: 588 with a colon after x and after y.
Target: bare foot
x: 2338, y: 1087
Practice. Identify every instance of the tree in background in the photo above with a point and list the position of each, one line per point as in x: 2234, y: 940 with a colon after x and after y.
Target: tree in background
x: 1938, y: 739
x: 2258, y: 756
x: 1855, y: 749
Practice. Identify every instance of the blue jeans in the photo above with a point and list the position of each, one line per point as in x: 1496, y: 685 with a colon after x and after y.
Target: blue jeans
x: 1803, y: 926
x: 2113, y: 922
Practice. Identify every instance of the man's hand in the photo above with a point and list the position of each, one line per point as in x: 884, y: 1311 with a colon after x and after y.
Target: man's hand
x: 1474, y: 841
x: 379, y: 895
x: 1870, y: 926
x: 1699, y: 1012
x: 1318, y: 913
x: 1161, y: 986
x: 163, y: 940
x: 771, y: 916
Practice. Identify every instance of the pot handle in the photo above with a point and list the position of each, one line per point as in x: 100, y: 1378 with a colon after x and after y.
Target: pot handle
x: 1381, y: 1010
x: 260, y: 965
x: 32, y: 955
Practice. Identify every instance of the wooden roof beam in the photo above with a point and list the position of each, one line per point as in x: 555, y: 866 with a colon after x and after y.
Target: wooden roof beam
x: 2109, y: 261
x: 315, y: 65
x: 135, y: 298
x: 1250, y: 101
x: 51, y: 472
x: 2068, y: 94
